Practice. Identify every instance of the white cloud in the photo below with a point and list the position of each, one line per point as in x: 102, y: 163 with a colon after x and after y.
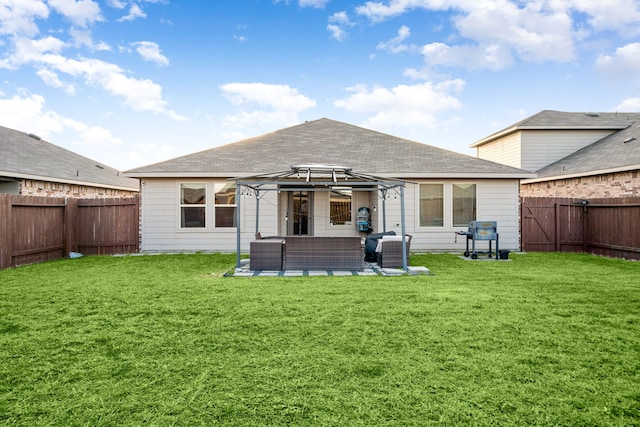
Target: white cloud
x: 621, y: 16
x: 402, y: 105
x: 29, y: 115
x: 337, y: 32
x: 150, y: 51
x: 279, y: 97
x: 51, y: 79
x: 82, y: 37
x: 624, y: 63
x: 494, y: 31
x: 81, y: 12
x: 268, y: 104
x: 378, y: 11
x: 534, y: 33
x: 318, y: 4
x: 19, y: 16
x: 629, y: 104
x: 135, y: 12
x: 494, y: 57
x: 395, y: 45
x: 138, y: 94
x: 337, y: 23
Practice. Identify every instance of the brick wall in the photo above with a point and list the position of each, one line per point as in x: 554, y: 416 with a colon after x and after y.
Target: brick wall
x: 30, y: 187
x: 610, y: 186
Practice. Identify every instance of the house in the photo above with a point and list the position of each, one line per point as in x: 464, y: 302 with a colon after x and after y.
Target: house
x: 30, y: 166
x: 575, y: 155
x: 190, y: 203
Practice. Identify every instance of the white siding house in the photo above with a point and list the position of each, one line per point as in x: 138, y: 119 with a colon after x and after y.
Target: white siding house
x: 187, y: 203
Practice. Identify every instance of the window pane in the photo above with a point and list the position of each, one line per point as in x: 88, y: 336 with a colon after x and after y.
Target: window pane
x: 192, y: 217
x: 464, y: 204
x: 192, y: 194
x: 431, y: 205
x: 340, y: 207
x: 226, y: 195
x: 225, y: 216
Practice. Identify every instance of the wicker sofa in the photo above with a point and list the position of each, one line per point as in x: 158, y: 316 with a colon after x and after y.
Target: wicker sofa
x: 389, y: 251
x: 323, y: 253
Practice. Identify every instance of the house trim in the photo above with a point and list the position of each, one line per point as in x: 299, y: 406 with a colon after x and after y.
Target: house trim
x: 65, y: 181
x: 581, y: 174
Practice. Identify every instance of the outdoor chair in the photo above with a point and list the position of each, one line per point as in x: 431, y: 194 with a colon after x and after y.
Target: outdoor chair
x: 389, y: 251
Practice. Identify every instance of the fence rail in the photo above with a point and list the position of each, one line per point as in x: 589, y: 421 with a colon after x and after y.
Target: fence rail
x: 608, y: 227
x: 37, y: 229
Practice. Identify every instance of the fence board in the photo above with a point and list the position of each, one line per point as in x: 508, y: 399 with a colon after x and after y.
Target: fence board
x: 36, y: 229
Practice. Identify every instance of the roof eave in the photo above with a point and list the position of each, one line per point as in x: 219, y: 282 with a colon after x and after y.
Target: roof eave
x: 66, y: 181
x: 582, y: 174
x: 514, y: 129
x: 397, y: 175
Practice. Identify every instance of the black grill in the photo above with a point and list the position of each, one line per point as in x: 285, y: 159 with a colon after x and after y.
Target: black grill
x: 480, y: 230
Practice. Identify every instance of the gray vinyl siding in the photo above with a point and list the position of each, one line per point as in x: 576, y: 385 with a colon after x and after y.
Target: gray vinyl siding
x: 543, y: 147
x: 505, y: 150
x: 497, y: 200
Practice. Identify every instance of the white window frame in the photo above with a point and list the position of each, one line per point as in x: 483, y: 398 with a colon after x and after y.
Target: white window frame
x: 216, y: 187
x: 181, y: 205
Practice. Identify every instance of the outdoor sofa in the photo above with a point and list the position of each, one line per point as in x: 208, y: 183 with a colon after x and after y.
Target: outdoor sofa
x: 306, y: 253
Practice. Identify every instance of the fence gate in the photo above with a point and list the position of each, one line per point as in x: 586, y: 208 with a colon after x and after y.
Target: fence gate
x: 609, y: 227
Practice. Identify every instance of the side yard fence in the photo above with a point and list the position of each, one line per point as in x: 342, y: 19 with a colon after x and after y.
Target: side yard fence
x: 608, y: 227
x: 37, y: 229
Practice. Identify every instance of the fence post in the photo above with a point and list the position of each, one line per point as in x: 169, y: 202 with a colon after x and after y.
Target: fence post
x: 70, y: 225
x: 557, y: 231
x: 5, y: 231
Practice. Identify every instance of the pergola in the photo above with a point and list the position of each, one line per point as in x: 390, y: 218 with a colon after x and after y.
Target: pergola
x: 314, y: 178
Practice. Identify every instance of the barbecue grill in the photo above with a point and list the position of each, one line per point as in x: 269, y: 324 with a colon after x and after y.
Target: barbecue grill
x: 480, y: 230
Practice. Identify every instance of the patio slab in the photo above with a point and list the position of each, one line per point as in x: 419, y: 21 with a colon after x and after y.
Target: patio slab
x: 370, y: 269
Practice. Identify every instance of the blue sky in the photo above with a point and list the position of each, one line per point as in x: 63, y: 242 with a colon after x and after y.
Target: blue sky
x: 134, y: 82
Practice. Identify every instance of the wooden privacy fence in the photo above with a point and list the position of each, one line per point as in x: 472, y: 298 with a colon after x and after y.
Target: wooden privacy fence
x: 37, y: 229
x: 608, y: 227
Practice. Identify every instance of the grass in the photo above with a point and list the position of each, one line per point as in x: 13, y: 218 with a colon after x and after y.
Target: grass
x: 546, y: 339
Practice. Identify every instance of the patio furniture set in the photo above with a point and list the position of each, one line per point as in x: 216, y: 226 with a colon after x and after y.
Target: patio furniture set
x: 323, y: 253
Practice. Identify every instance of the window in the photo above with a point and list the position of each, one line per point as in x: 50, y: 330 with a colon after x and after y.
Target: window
x: 340, y: 206
x: 431, y: 205
x: 464, y: 204
x: 192, y: 205
x: 225, y: 205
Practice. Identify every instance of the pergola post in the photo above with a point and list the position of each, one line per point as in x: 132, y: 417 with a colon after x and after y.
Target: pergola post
x: 384, y: 210
x: 238, y: 221
x: 257, y: 210
x: 404, y: 233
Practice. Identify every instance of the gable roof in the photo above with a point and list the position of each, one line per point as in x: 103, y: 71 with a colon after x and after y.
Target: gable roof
x: 27, y: 156
x: 328, y: 142
x: 617, y: 152
x: 561, y: 120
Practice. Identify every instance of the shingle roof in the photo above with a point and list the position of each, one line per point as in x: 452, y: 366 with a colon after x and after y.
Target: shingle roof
x: 550, y: 119
x: 618, y: 151
x: 27, y: 156
x: 328, y: 142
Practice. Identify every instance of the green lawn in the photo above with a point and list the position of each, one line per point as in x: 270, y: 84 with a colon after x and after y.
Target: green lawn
x: 545, y: 339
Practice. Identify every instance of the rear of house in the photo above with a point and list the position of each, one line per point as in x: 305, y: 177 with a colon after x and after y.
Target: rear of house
x: 190, y: 203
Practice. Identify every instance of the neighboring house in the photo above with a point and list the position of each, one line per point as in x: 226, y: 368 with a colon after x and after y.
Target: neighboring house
x: 189, y: 203
x: 30, y: 166
x: 575, y: 155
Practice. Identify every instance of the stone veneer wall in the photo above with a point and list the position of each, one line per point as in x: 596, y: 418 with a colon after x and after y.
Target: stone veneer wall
x: 611, y: 186
x: 30, y: 187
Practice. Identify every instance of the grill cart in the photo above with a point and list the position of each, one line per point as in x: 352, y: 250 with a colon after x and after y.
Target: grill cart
x: 480, y: 230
